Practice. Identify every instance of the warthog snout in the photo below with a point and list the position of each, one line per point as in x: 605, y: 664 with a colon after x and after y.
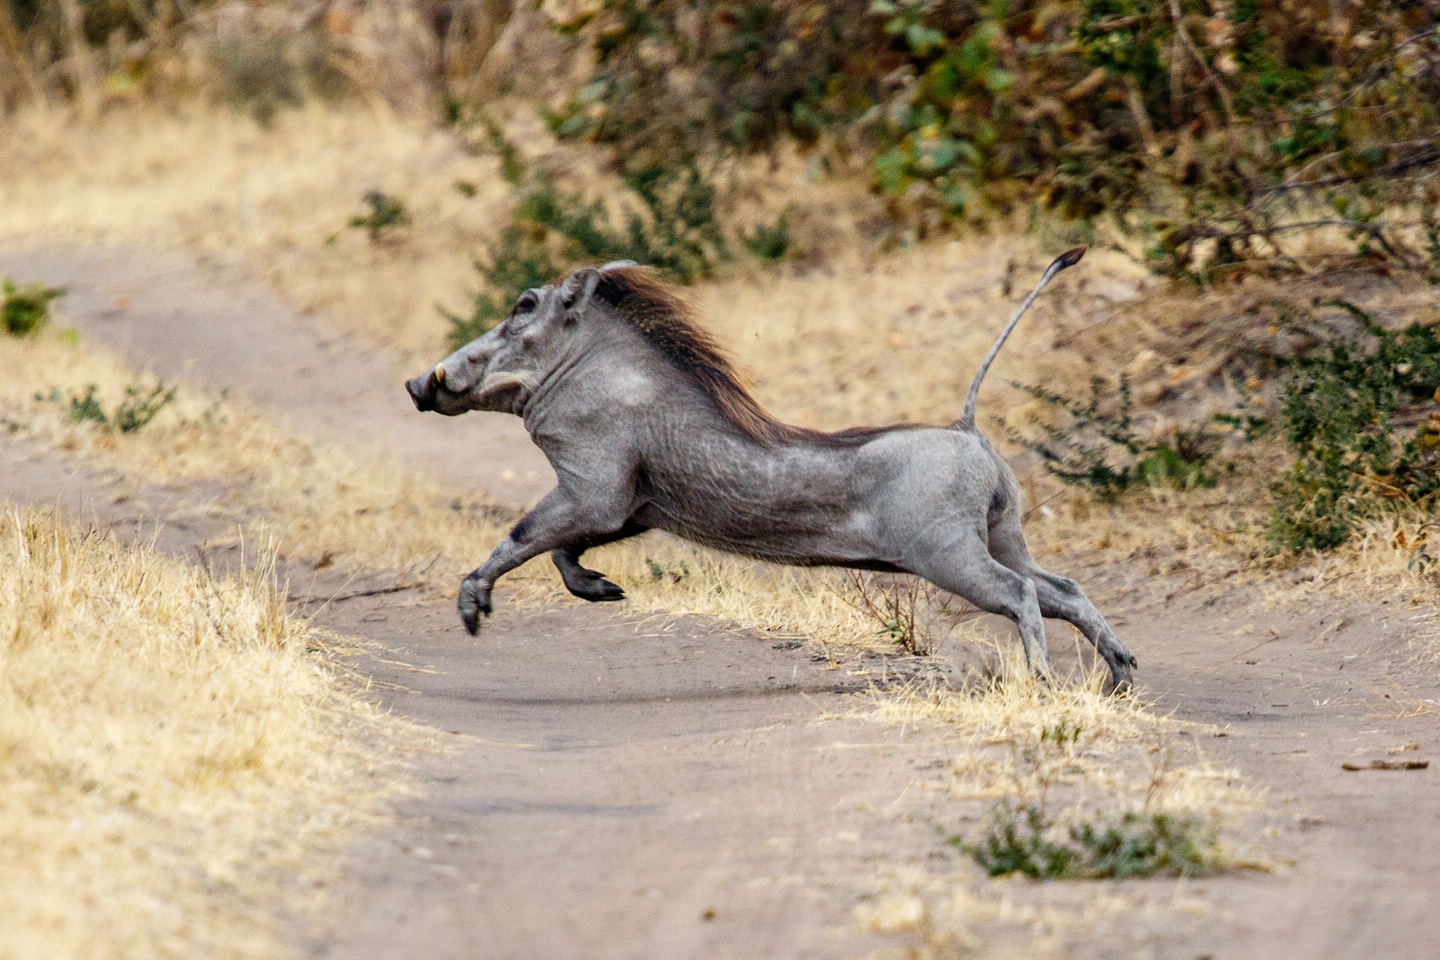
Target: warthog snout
x: 422, y: 391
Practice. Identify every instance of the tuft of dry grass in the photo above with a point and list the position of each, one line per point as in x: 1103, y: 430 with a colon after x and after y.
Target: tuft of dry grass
x: 172, y: 747
x: 1066, y: 744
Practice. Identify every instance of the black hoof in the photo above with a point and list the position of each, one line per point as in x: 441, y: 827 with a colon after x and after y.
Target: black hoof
x: 602, y: 591
x: 596, y: 589
x: 474, y: 602
x: 1120, y: 676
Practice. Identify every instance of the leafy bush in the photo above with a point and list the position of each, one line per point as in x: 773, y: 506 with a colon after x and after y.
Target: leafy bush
x: 668, y: 223
x: 1212, y: 132
x: 1134, y: 844
x: 139, y: 407
x: 1097, y: 446
x: 1352, y: 461
x: 664, y: 218
x: 769, y: 242
x: 25, y: 309
x: 674, y: 79
x: 519, y: 260
x: 267, y: 72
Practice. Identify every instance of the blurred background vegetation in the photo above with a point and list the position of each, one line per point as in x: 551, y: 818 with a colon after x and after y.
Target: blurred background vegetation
x: 1217, y: 133
x: 1217, y: 142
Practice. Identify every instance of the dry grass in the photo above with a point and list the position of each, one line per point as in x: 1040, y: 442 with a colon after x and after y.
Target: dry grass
x: 172, y: 748
x: 859, y: 339
x: 1065, y: 744
x: 853, y: 338
x: 221, y: 183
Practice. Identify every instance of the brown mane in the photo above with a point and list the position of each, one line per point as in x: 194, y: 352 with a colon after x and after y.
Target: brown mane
x: 668, y: 322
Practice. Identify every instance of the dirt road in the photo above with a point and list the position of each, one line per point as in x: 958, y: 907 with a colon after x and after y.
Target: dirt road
x: 636, y: 789
x: 201, y: 321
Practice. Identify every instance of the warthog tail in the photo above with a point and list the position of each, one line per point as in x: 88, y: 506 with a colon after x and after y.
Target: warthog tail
x: 1067, y: 259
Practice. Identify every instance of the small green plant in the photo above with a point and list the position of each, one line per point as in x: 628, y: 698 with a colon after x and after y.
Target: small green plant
x: 660, y: 574
x: 667, y: 221
x: 139, y: 407
x: 892, y: 604
x: 26, y: 306
x: 519, y: 260
x: 267, y: 73
x: 386, y: 213
x: 1097, y: 446
x: 1338, y: 416
x: 769, y: 242
x: 1138, y: 843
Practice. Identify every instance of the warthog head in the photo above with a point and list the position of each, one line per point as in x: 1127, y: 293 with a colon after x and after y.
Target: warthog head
x: 501, y: 370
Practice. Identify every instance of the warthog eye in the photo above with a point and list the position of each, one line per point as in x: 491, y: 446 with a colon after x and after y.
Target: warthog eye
x: 528, y: 301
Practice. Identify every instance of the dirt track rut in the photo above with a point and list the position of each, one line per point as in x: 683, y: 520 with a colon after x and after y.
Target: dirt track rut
x: 629, y: 789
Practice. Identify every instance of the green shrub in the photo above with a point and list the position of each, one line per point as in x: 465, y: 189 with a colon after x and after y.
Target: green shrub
x: 521, y: 259
x: 1351, y: 461
x: 1096, y: 445
x: 1134, y: 844
x: 265, y: 73
x: 25, y: 309
x: 752, y: 72
x: 1212, y: 133
x: 668, y: 222
x: 769, y: 242
x: 664, y: 219
x: 134, y: 412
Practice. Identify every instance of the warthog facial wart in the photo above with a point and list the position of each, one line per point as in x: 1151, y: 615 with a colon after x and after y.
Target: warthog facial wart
x: 648, y: 427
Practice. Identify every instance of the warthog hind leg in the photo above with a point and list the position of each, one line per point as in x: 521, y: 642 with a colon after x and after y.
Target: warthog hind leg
x: 590, y: 584
x: 1061, y: 598
x: 964, y: 567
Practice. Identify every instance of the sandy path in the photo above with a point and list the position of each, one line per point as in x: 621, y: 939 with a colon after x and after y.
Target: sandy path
x: 203, y: 322
x: 616, y: 782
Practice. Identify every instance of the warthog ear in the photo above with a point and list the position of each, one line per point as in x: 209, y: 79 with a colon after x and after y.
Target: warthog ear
x: 577, y: 290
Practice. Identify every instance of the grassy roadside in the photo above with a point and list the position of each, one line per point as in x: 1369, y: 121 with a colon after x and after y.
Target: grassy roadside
x: 171, y: 747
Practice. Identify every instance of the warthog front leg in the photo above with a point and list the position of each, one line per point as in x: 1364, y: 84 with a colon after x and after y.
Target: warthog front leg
x: 556, y: 522
x: 590, y: 584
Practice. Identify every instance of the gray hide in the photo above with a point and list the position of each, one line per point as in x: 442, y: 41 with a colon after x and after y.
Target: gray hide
x: 640, y: 415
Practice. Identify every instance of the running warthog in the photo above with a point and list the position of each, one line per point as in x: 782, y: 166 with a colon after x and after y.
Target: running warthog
x: 647, y: 427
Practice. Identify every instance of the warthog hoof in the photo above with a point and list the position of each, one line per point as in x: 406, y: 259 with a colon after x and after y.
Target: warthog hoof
x: 474, y: 601
x: 1121, y: 663
x: 594, y: 587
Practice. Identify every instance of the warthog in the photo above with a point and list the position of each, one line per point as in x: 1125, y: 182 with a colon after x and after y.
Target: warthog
x: 647, y: 426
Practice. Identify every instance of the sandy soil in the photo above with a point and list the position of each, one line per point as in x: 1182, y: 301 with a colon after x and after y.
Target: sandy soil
x: 640, y: 789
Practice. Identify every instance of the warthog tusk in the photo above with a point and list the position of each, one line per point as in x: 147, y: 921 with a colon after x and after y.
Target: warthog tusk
x: 506, y: 379
x: 439, y: 373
